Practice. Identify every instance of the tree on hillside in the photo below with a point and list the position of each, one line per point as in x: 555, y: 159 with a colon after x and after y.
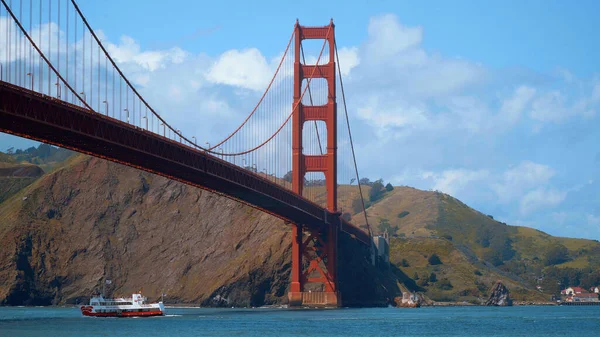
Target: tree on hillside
x: 434, y: 260
x: 432, y: 277
x: 389, y: 187
x: 556, y: 254
x: 416, y: 276
x: 376, y: 190
x: 384, y: 225
x: 365, y: 182
x: 288, y: 177
x: 404, y: 263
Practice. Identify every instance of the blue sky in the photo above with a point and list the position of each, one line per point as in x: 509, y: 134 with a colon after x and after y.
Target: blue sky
x: 495, y: 103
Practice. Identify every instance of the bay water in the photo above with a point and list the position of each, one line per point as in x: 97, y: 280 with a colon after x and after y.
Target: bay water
x: 428, y: 321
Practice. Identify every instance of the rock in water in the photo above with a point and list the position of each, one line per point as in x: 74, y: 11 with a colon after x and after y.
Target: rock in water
x: 499, y: 296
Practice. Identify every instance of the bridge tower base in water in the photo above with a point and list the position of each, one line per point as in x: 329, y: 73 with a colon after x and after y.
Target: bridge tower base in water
x: 314, y: 248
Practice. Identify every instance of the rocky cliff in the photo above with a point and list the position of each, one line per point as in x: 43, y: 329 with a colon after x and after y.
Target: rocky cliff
x: 499, y: 296
x: 63, y: 233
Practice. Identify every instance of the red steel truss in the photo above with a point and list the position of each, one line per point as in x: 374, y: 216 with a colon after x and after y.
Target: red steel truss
x: 29, y: 114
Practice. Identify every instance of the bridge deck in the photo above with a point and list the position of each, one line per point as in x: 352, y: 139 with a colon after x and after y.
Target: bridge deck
x: 33, y: 115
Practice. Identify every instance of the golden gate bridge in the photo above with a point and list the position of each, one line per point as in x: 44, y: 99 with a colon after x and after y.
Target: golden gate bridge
x: 59, y: 85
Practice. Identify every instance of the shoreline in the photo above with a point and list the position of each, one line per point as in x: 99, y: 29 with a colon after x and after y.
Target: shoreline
x: 284, y: 306
x: 467, y: 304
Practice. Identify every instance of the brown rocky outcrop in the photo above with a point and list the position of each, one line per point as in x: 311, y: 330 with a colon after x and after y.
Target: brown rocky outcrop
x: 499, y: 296
x: 95, y: 218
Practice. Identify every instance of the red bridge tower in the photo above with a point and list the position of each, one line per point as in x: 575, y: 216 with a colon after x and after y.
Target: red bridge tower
x: 314, y: 250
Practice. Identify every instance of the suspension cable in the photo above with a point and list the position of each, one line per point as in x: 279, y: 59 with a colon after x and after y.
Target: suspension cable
x: 291, y: 113
x: 42, y: 54
x: 167, y: 125
x: 362, y: 199
x: 262, y: 97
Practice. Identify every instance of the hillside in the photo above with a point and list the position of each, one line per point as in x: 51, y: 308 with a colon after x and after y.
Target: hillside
x: 14, y: 176
x: 61, y: 231
x: 89, y: 218
x: 476, y: 250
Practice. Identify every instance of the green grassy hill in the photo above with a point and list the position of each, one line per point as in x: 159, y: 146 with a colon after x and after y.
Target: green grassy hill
x: 21, y: 168
x: 475, y: 250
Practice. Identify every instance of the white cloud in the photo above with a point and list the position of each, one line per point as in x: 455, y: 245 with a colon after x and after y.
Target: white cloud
x: 399, y: 82
x: 128, y: 51
x: 388, y: 38
x: 393, y: 55
x: 596, y: 93
x: 554, y: 106
x: 517, y: 180
x: 559, y: 217
x: 455, y: 180
x: 348, y: 59
x: 593, y: 220
x: 513, y: 107
x: 540, y: 198
x: 549, y: 107
x: 246, y: 69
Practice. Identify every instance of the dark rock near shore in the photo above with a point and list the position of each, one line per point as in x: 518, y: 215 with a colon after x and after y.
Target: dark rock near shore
x: 499, y: 296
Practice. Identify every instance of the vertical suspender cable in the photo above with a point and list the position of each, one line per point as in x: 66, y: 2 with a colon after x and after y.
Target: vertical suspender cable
x: 58, y: 47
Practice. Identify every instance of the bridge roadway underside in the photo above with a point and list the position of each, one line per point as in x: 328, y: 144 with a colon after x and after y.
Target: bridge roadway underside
x: 32, y: 115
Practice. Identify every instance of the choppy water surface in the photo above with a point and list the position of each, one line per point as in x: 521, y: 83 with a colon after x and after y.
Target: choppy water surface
x: 447, y: 321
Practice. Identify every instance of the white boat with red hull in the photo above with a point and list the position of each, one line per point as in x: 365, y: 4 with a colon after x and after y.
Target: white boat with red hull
x: 135, y: 306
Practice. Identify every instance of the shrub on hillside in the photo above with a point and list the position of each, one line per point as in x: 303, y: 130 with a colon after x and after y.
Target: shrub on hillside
x: 556, y: 254
x: 434, y: 260
x: 389, y: 187
x: 445, y: 284
x: 432, y: 277
x: 403, y: 214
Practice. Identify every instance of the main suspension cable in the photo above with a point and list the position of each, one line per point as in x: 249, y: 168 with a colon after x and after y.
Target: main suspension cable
x: 291, y: 113
x: 42, y: 54
x: 262, y: 97
x: 362, y: 199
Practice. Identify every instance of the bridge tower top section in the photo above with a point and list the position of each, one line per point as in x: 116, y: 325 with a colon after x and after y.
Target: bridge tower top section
x: 326, y: 162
